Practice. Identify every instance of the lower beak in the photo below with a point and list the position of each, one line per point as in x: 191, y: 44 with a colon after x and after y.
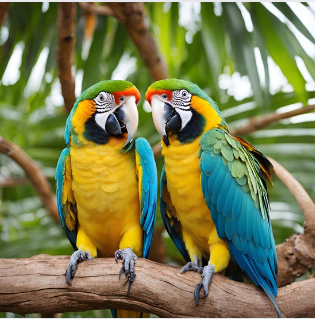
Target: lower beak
x: 159, y: 118
x: 130, y: 118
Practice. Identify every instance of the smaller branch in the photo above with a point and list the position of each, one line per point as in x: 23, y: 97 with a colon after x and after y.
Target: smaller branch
x: 259, y: 122
x: 12, y: 182
x: 96, y: 9
x: 34, y: 173
x: 296, y: 255
x: 303, y: 199
x: 4, y: 6
x: 66, y: 39
x: 132, y: 15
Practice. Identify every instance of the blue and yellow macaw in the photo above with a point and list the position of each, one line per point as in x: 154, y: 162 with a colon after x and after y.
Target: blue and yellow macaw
x: 214, y: 200
x: 107, y: 182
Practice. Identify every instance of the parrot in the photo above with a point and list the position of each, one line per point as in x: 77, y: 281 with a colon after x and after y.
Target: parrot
x: 106, y: 182
x: 214, y: 200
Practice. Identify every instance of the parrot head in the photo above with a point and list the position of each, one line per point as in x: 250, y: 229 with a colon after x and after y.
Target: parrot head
x: 182, y: 111
x: 106, y: 110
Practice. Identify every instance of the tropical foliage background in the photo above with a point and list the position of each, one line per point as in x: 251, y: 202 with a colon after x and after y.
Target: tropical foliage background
x: 251, y: 58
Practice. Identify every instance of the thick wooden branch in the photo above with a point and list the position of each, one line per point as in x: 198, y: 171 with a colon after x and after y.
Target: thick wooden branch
x: 259, y: 122
x: 34, y: 173
x: 38, y: 284
x: 132, y: 15
x: 66, y: 39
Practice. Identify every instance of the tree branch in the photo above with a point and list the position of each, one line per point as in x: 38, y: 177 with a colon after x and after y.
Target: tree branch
x: 96, y: 9
x: 303, y: 199
x: 34, y: 173
x: 259, y: 122
x: 66, y: 39
x: 11, y: 182
x: 132, y: 15
x: 4, y: 6
x: 38, y: 284
x: 296, y: 255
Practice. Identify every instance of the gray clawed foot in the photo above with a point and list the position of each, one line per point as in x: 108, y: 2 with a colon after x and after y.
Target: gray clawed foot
x: 128, y: 261
x: 77, y: 257
x: 204, y: 283
x: 190, y: 266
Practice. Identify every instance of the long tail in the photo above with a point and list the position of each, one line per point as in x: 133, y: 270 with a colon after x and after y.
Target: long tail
x: 250, y: 268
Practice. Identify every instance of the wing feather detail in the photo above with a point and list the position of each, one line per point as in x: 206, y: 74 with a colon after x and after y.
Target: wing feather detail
x: 65, y: 199
x: 233, y: 185
x: 147, y: 181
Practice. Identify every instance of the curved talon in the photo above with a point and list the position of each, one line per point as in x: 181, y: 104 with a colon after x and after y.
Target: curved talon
x: 197, y: 290
x: 128, y: 258
x: 77, y: 257
x: 204, y: 283
x: 132, y: 277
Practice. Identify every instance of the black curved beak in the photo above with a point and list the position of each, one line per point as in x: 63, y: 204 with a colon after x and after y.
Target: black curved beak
x: 115, y: 123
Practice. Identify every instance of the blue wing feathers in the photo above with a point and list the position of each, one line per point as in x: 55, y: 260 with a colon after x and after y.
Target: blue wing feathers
x: 237, y: 216
x: 60, y: 171
x: 148, y: 192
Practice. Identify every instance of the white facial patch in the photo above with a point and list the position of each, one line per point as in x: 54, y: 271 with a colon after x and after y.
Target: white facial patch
x: 101, y: 119
x: 185, y: 116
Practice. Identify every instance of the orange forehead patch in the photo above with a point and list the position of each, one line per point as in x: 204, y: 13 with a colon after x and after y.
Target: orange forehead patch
x: 152, y: 92
x: 131, y: 91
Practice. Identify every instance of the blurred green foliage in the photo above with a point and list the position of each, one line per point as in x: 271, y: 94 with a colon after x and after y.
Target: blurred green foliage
x: 203, y: 43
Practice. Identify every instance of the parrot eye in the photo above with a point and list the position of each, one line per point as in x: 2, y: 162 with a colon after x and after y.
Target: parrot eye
x: 104, y: 101
x: 101, y: 98
x: 184, y: 93
x: 121, y: 98
x: 164, y: 96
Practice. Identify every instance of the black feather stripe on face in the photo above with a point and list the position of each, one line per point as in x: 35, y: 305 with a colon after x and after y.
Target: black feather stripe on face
x: 193, y: 129
x: 93, y: 132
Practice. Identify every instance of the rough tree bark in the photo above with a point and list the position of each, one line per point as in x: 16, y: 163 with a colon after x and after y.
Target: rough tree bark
x: 38, y: 284
x: 66, y: 39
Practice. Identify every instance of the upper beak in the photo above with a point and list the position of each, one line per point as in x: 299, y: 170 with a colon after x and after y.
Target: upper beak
x: 166, y: 118
x: 130, y: 117
x: 159, y: 118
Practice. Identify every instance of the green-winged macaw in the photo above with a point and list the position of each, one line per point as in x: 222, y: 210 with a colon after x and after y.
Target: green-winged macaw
x: 214, y: 200
x: 106, y: 182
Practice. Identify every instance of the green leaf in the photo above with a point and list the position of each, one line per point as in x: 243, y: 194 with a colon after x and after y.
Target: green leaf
x: 266, y: 22
x: 242, y: 48
x: 287, y: 11
x: 213, y: 42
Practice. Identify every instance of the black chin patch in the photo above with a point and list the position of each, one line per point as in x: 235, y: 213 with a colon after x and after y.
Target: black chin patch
x: 93, y: 132
x: 193, y: 129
